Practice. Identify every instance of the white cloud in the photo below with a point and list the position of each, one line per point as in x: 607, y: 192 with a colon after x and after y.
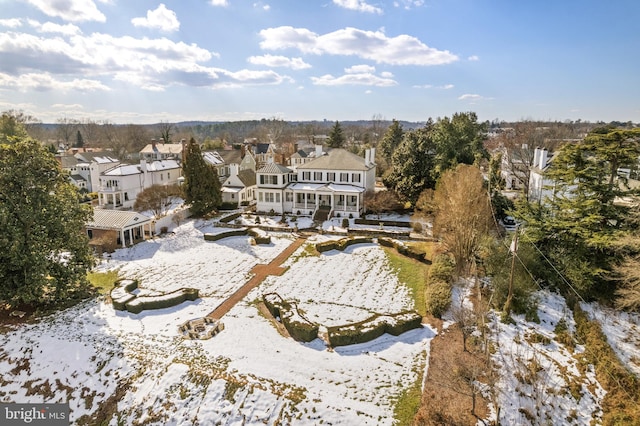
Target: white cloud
x: 263, y: 6
x: 279, y: 61
x: 223, y: 3
x: 358, y: 69
x: 473, y: 97
x: 408, y: 4
x: 45, y: 82
x: 473, y: 58
x: 387, y: 74
x: 161, y: 18
x: 67, y: 106
x: 358, y: 5
x: 362, y: 79
x: 11, y: 23
x: 371, y: 45
x: 447, y: 87
x: 422, y: 86
x: 50, y: 27
x: 70, y: 10
x: 152, y: 64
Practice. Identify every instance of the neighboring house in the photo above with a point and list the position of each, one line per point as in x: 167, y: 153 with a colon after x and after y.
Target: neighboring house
x: 302, y: 156
x: 334, y: 182
x: 264, y: 154
x: 516, y: 166
x: 161, y: 151
x: 120, y: 185
x: 540, y: 187
x: 84, y: 168
x: 225, y: 160
x: 110, y: 229
x: 239, y: 187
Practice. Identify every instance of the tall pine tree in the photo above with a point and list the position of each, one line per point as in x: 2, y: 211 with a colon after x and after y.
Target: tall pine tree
x: 201, y: 182
x: 336, y: 137
x: 44, y: 252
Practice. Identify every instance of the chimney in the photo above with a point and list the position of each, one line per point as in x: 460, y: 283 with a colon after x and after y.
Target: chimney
x: 318, y: 151
x: 367, y: 153
x: 233, y: 169
x: 543, y: 158
x: 183, y: 142
x: 536, y: 157
x: 372, y: 156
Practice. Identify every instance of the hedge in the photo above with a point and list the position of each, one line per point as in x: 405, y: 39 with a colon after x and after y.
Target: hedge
x: 221, y: 235
x: 121, y: 293
x: 373, y: 327
x: 441, y: 269
x: 399, y: 224
x: 341, y: 244
x: 438, y: 297
x: 299, y: 327
x: 231, y: 217
x: 167, y: 300
x: 404, y: 250
x: 259, y: 236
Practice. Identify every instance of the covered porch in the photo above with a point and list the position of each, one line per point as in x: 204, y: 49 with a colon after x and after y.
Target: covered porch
x: 112, y: 228
x: 341, y: 200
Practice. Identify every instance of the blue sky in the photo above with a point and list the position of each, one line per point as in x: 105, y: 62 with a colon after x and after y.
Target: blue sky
x: 144, y: 61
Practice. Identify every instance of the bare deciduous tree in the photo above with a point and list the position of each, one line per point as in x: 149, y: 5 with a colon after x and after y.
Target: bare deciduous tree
x: 381, y: 201
x: 157, y: 198
x: 462, y: 215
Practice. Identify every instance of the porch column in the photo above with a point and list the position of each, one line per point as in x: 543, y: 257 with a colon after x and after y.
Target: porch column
x: 122, y: 238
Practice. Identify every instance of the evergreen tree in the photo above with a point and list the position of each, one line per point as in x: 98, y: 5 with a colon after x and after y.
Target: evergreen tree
x: 412, y: 164
x: 79, y: 140
x: 336, y: 137
x: 580, y: 226
x: 201, y: 183
x: 391, y: 140
x: 44, y: 252
x: 458, y: 140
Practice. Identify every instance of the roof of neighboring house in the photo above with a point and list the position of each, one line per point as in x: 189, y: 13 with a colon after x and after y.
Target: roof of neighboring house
x: 301, y: 186
x: 89, y: 156
x: 163, y: 148
x: 78, y: 178
x: 304, y: 153
x: 336, y: 159
x: 68, y: 161
x: 133, y: 169
x: 213, y: 158
x: 230, y: 156
x: 262, y: 148
x: 247, y: 177
x: 104, y: 159
x: 274, y: 169
x: 116, y: 219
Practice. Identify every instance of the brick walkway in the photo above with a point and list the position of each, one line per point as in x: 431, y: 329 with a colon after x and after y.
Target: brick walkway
x: 260, y: 273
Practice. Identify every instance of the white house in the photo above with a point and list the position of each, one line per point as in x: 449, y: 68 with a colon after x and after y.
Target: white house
x: 161, y: 151
x: 333, y: 183
x: 120, y: 185
x: 239, y: 187
x: 540, y: 187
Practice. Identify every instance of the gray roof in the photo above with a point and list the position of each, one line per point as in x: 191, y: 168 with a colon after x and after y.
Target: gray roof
x: 336, y: 159
x: 78, y: 178
x: 248, y: 177
x: 116, y: 219
x: 68, y: 161
x: 274, y: 168
x: 230, y: 156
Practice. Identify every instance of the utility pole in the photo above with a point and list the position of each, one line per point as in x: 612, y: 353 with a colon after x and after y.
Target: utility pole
x: 513, y: 249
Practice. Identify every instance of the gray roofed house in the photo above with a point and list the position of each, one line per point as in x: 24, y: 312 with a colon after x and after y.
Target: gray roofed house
x: 109, y: 229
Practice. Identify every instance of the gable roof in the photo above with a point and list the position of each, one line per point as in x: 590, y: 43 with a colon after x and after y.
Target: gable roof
x: 336, y: 159
x: 133, y: 169
x: 274, y: 168
x: 163, y: 148
x: 116, y: 219
x: 262, y: 148
x: 213, y: 158
x: 68, y: 161
x: 247, y: 177
x: 230, y: 156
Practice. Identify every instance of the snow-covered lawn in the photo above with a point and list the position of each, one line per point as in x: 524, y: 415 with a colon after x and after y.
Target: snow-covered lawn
x: 249, y: 373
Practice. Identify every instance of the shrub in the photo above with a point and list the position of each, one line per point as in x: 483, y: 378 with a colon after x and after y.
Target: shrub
x: 345, y: 222
x: 221, y: 235
x: 228, y: 205
x: 231, y: 217
x: 441, y: 269
x: 167, y: 300
x: 121, y: 293
x: 373, y: 327
x: 417, y: 227
x: 438, y: 297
